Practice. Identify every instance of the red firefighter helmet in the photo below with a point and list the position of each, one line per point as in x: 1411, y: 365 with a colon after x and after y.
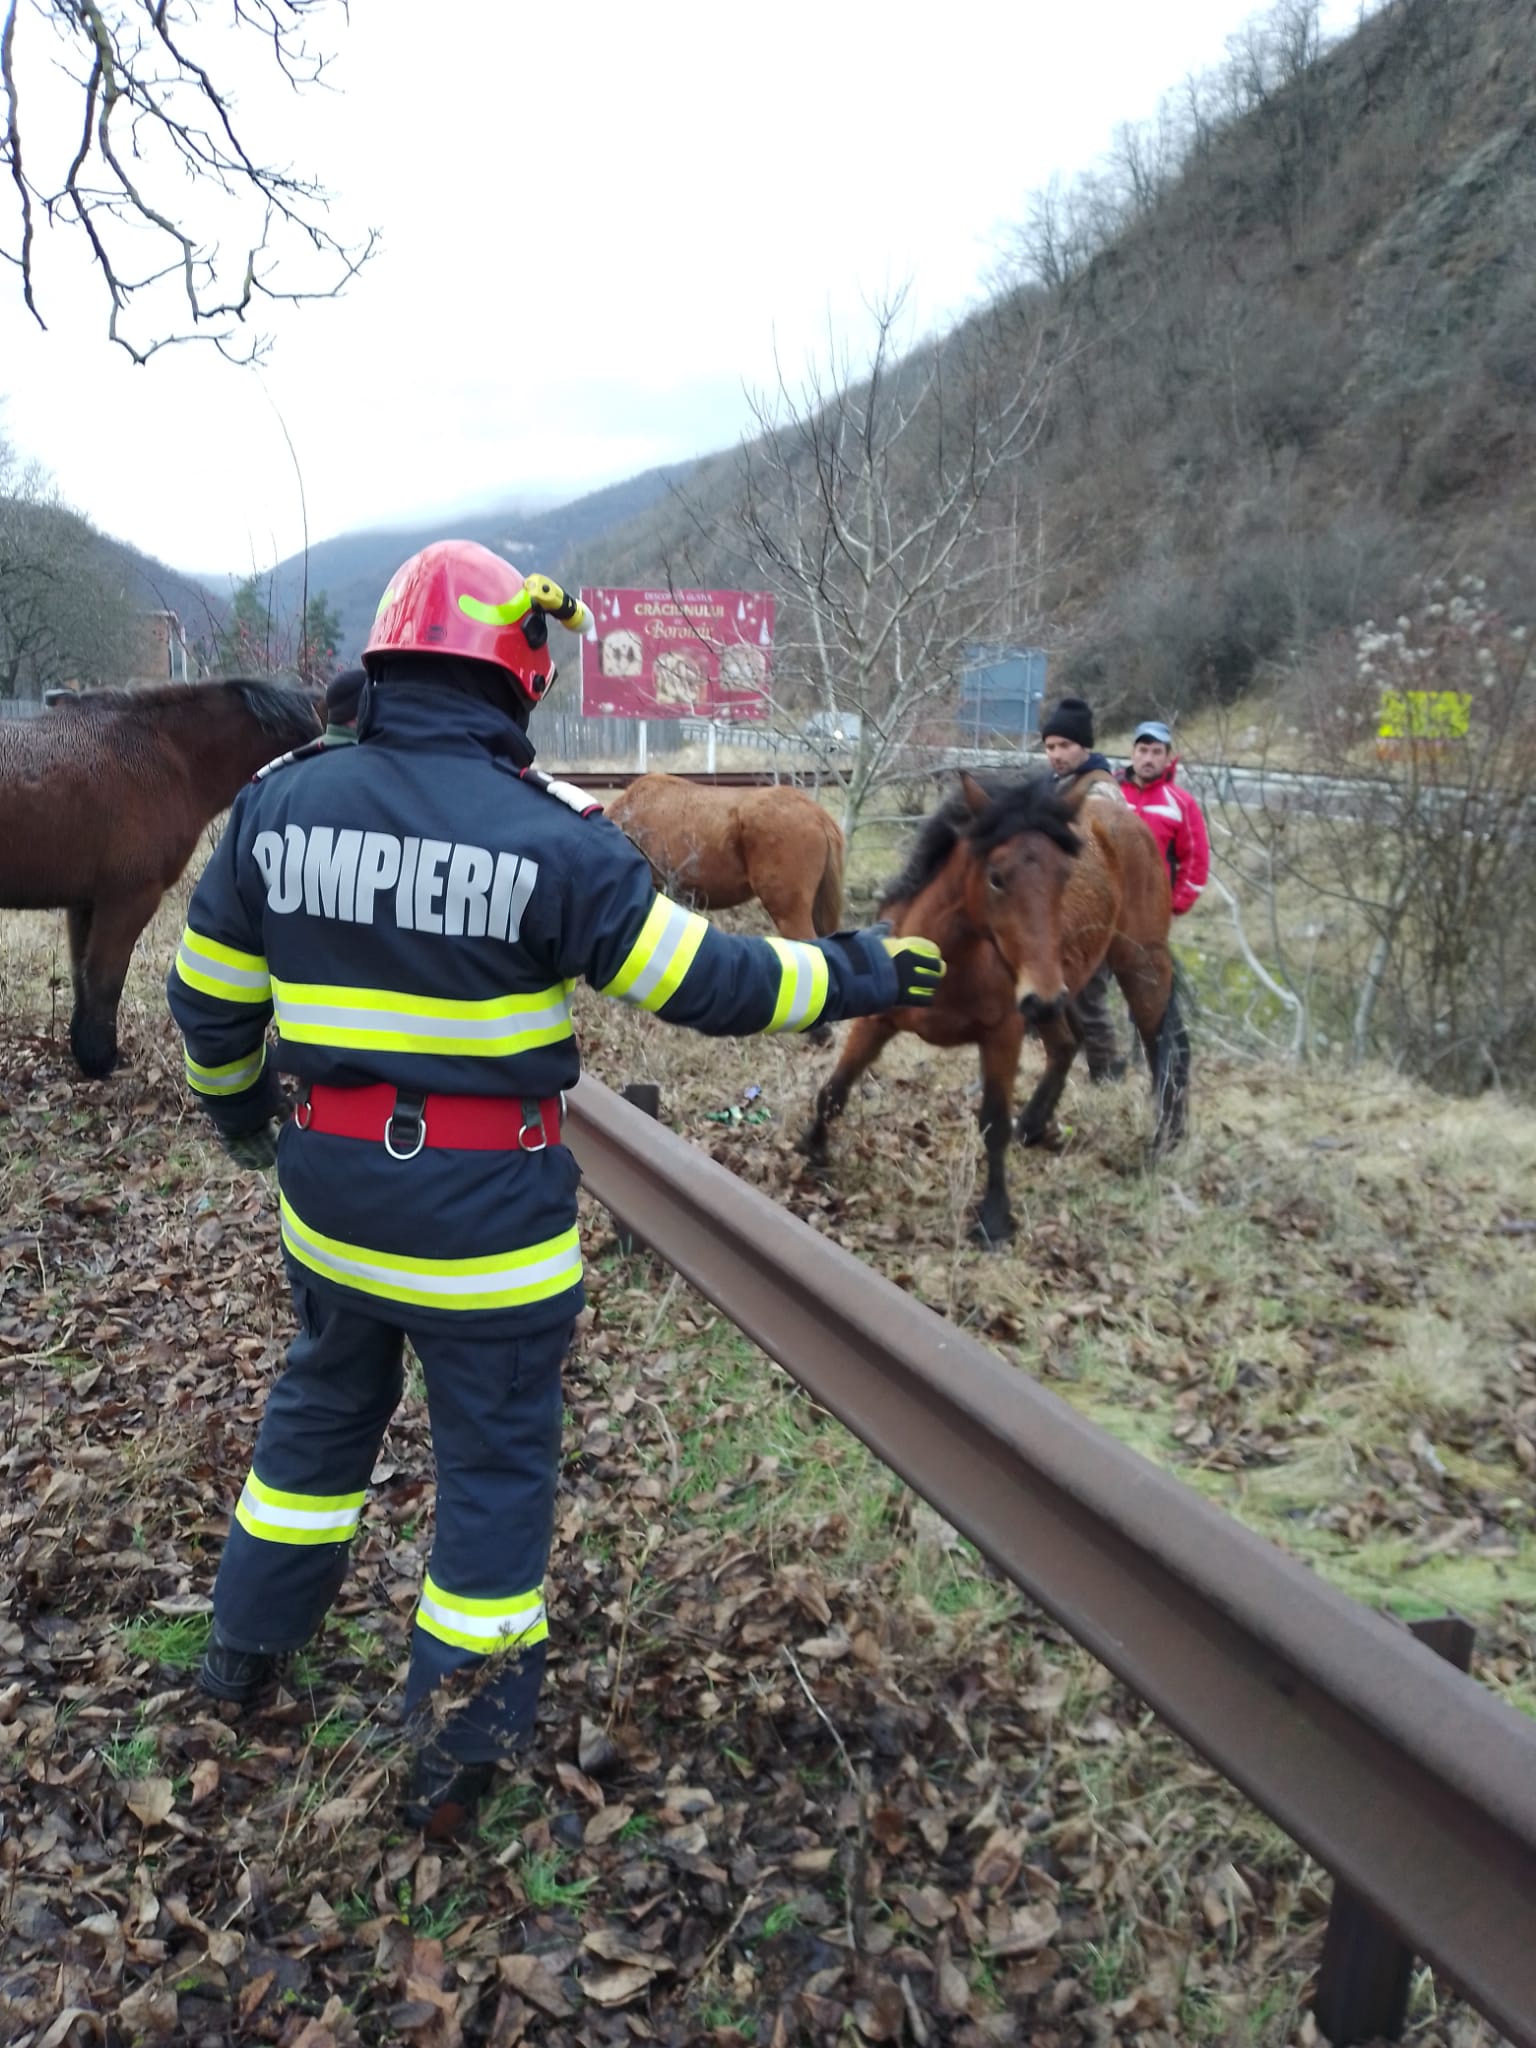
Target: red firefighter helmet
x: 456, y: 597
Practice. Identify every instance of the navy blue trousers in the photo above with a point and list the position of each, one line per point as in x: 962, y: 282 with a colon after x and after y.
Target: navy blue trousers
x: 495, y: 1409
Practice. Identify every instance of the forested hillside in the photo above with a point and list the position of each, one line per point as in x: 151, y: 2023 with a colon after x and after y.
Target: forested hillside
x: 1280, y: 351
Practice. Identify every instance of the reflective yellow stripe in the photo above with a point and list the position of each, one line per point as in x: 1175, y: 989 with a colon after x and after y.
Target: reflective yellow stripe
x: 802, y: 985
x: 501, y: 1280
x: 303, y: 1518
x: 506, y: 614
x: 387, y: 1020
x: 222, y: 971
x: 516, y: 1623
x: 655, y: 964
x: 229, y: 1079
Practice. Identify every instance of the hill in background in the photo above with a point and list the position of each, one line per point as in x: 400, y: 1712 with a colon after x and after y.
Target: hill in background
x: 1293, y: 329
x: 1290, y: 328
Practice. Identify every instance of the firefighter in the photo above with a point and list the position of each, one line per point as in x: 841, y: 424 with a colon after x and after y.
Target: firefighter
x: 414, y: 912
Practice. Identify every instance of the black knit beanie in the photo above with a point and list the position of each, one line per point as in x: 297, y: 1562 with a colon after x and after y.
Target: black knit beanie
x: 1071, y: 720
x: 342, y: 694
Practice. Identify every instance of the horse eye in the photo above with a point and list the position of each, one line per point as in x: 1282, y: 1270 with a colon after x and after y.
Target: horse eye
x: 995, y: 881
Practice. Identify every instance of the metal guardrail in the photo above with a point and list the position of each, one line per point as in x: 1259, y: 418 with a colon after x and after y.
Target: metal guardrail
x: 1408, y: 1781
x: 1376, y: 799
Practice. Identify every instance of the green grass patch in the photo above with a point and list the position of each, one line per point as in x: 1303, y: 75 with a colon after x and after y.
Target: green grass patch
x: 177, y: 1641
x: 130, y: 1756
x: 545, y: 1887
x: 506, y: 1812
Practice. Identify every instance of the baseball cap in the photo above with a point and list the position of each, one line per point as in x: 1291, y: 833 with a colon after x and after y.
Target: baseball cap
x: 1153, y: 729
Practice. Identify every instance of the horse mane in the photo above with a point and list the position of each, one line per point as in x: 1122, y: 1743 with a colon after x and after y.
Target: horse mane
x: 276, y: 708
x: 1018, y: 804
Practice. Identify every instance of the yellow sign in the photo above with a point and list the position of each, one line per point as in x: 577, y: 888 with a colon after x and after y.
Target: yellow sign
x: 1424, y: 715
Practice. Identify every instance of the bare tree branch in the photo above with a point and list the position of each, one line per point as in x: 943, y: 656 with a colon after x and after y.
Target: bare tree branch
x: 152, y: 119
x: 876, y: 504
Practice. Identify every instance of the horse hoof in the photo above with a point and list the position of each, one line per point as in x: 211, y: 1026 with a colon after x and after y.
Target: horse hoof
x: 819, y: 1034
x: 991, y: 1236
x: 1048, y: 1138
x: 93, y: 1057
x: 812, y: 1146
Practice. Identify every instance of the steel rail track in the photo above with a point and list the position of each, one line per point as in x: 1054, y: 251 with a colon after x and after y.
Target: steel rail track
x: 1408, y: 1781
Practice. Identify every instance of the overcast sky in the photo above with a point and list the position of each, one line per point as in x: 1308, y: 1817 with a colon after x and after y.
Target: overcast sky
x: 597, y: 223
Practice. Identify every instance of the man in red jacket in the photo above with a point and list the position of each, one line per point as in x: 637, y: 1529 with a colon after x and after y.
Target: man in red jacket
x: 1170, y: 814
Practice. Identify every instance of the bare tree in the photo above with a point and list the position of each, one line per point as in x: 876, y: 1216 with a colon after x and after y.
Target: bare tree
x: 63, y: 617
x: 150, y: 121
x: 878, y: 508
x: 1420, y: 928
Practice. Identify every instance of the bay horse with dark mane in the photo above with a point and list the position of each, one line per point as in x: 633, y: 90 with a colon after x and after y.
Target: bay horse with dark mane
x: 102, y: 800
x: 1027, y: 892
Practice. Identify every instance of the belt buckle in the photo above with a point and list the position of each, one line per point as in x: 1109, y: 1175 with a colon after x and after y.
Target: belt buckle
x: 539, y: 1126
x: 303, y: 1113
x: 389, y: 1132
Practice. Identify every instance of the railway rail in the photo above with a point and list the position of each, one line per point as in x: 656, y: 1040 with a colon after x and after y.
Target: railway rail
x: 1408, y: 1781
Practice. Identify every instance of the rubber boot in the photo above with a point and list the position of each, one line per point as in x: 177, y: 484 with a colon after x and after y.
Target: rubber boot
x: 445, y: 1792
x: 237, y: 1675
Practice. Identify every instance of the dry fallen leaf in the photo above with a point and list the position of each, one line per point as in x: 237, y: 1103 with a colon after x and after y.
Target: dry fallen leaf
x: 184, y: 1603
x: 617, y: 1987
x: 613, y: 1948
x: 335, y: 1814
x: 605, y: 1824
x: 151, y: 1799
x: 1029, y: 1929
x: 529, y: 1978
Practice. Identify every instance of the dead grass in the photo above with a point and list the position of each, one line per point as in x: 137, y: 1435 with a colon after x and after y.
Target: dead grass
x: 1315, y: 1315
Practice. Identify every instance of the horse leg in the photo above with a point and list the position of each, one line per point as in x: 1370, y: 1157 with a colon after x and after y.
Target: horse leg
x: 993, y: 1224
x: 113, y: 931
x: 1037, y: 1120
x: 863, y: 1046
x: 1146, y: 976
x: 79, y: 919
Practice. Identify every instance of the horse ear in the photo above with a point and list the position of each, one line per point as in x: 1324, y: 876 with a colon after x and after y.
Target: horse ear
x: 974, y: 794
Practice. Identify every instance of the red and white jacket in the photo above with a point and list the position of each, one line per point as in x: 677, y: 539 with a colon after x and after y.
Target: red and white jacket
x: 1174, y: 819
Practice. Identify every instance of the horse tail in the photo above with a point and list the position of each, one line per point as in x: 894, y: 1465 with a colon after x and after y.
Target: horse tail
x: 827, y: 909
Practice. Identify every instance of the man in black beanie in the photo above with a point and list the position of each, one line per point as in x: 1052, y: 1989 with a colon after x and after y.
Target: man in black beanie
x: 343, y: 695
x: 1067, y: 734
x: 1068, y: 737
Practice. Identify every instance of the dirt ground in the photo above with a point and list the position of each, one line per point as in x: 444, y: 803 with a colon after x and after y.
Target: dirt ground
x: 807, y: 1771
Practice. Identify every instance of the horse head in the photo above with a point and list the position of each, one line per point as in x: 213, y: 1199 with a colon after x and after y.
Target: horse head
x: 1021, y: 844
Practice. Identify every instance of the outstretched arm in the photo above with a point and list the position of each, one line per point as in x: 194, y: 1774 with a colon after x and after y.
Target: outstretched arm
x: 643, y: 948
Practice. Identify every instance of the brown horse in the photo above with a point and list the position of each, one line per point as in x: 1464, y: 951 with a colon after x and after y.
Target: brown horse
x: 101, y: 804
x: 721, y: 847
x: 1026, y: 893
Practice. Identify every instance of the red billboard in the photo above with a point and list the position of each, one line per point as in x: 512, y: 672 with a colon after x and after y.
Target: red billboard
x: 677, y: 654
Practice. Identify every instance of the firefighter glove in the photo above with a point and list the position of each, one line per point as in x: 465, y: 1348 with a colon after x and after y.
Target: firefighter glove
x: 919, y: 968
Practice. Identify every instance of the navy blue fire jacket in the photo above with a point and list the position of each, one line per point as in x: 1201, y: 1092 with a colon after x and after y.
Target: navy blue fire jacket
x: 410, y: 910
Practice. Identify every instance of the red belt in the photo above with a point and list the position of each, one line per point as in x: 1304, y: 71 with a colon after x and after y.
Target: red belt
x: 403, y: 1122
